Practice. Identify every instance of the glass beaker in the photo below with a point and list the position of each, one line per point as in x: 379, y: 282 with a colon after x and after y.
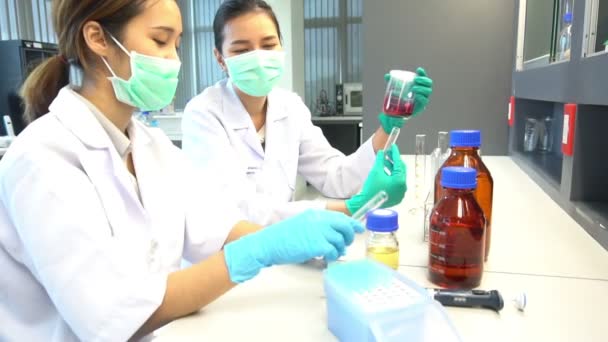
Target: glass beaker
x: 530, y: 135
x: 399, y: 98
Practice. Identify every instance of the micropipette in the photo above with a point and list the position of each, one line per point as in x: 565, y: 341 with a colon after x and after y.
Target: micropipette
x: 469, y: 298
x: 392, y: 138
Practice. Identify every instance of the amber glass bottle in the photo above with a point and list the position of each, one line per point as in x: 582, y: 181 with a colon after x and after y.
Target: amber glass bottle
x: 457, y: 232
x: 465, y: 152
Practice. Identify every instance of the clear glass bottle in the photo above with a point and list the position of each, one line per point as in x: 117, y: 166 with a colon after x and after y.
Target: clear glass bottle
x: 465, y: 146
x: 565, y: 38
x: 382, y: 244
x: 457, y: 232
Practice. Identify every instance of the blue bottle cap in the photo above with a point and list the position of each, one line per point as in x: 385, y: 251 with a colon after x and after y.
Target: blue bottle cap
x: 382, y: 220
x: 465, y: 138
x: 456, y: 177
x: 568, y: 17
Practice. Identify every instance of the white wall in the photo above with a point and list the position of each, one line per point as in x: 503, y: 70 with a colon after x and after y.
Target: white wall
x: 290, y: 14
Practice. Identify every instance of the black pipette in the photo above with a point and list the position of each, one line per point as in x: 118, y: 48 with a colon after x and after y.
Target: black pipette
x: 469, y: 298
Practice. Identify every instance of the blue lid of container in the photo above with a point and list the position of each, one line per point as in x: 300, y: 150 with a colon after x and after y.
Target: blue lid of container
x: 456, y: 177
x: 568, y: 17
x: 382, y: 220
x: 465, y: 138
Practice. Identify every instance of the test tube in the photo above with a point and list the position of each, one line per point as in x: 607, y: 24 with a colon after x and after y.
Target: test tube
x: 392, y: 138
x: 428, y: 208
x: 419, y: 171
x: 373, y: 204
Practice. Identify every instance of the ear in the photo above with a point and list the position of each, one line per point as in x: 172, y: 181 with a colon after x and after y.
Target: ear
x: 95, y: 38
x: 220, y: 60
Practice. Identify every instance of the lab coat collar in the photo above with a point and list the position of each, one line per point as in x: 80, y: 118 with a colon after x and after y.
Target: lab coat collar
x: 80, y: 120
x: 235, y: 111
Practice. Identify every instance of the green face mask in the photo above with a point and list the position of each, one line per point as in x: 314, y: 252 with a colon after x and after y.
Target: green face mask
x: 257, y: 72
x: 152, y: 84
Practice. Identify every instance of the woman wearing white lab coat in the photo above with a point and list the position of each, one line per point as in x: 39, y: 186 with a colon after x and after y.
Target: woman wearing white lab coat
x: 97, y: 210
x: 257, y: 137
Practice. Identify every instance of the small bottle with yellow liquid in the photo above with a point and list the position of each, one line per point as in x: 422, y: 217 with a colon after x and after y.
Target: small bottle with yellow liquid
x: 382, y: 244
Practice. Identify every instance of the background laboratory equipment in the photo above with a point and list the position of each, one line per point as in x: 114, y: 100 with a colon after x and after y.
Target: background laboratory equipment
x: 429, y: 204
x: 440, y: 153
x: 465, y: 145
x: 382, y: 244
x: 419, y: 173
x: 545, y: 143
x: 457, y: 232
x: 530, y: 135
x: 8, y: 125
x: 367, y: 301
x: 565, y: 38
x: 399, y: 99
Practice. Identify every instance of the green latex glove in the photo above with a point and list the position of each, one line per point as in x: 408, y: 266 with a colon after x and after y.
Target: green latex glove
x: 423, y: 88
x: 377, y: 180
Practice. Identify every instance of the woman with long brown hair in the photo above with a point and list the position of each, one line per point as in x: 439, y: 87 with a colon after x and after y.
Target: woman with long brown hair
x: 97, y: 210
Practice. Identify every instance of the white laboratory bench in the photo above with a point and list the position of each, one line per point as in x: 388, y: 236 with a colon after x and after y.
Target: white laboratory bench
x: 536, y: 248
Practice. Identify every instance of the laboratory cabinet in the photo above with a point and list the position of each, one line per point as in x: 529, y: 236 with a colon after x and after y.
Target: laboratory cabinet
x: 559, y: 131
x: 17, y: 59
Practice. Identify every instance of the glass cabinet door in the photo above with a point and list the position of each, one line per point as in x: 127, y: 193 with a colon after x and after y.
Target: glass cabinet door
x: 539, y: 31
x: 596, y: 26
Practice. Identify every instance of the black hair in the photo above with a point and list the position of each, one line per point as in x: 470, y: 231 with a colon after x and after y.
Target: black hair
x: 230, y: 9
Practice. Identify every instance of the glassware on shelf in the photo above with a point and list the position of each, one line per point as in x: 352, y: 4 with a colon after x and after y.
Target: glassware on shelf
x: 530, y: 135
x: 546, y: 135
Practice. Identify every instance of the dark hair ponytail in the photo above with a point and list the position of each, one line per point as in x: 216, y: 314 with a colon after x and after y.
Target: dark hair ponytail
x: 69, y: 17
x: 230, y: 9
x: 42, y: 86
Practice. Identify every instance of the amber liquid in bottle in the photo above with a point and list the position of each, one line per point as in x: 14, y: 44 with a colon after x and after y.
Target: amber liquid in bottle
x: 469, y: 157
x: 457, y: 240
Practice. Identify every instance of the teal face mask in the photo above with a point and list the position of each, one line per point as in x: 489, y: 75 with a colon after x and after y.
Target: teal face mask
x: 153, y: 81
x: 257, y: 72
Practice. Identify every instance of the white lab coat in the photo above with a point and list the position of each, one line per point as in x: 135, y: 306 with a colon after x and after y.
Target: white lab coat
x: 81, y: 257
x: 220, y: 139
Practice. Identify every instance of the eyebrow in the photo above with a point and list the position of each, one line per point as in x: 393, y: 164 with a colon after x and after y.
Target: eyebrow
x: 167, y: 29
x: 265, y: 39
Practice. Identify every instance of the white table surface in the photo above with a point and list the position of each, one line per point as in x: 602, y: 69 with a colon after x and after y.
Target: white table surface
x: 537, y: 248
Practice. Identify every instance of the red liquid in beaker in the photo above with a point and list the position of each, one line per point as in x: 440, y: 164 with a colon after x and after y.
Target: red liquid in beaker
x: 398, y: 107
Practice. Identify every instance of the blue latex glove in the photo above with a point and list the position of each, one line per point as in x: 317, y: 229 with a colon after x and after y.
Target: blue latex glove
x: 423, y: 88
x: 295, y: 240
x: 394, y: 184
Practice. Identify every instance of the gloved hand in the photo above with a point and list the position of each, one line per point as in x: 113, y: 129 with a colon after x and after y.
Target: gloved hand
x: 298, y: 239
x: 423, y: 88
x: 377, y: 180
